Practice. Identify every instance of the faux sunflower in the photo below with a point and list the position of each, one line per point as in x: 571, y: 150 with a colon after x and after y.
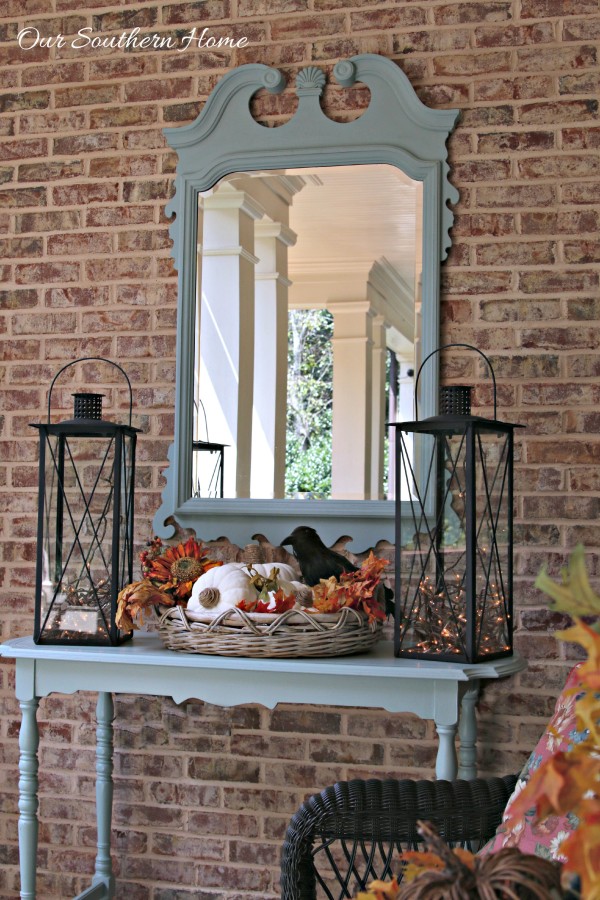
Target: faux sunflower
x: 175, y: 569
x: 168, y: 574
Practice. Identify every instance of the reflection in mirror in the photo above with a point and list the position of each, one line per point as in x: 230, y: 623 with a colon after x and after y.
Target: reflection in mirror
x: 307, y: 331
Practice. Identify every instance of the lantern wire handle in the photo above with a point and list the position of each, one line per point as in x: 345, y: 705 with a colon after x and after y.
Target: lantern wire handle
x: 90, y: 359
x: 448, y: 347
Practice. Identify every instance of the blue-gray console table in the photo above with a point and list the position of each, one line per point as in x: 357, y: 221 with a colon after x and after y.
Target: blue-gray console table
x: 431, y: 690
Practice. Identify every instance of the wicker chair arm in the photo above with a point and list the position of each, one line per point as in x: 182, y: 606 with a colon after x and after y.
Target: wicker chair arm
x: 373, y: 820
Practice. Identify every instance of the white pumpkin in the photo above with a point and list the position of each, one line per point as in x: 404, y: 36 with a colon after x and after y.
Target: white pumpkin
x: 223, y: 587
x: 286, y: 580
x: 232, y: 584
x: 285, y: 577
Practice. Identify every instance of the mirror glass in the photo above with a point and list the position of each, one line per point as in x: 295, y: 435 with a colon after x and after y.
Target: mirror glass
x: 307, y: 331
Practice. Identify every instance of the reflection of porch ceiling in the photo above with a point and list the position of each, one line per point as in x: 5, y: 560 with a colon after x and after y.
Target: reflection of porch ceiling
x: 350, y: 217
x: 358, y: 235
x: 354, y: 235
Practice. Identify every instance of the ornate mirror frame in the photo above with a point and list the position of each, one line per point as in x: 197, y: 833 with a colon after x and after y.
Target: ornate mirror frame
x: 396, y: 129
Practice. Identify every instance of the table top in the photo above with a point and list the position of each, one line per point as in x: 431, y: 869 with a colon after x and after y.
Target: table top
x: 146, y: 649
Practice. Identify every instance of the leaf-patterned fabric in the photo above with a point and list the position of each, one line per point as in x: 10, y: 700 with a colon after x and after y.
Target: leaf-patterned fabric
x: 543, y: 838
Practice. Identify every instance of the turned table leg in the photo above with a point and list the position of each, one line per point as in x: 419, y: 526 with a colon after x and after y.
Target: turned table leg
x: 446, y: 763
x: 104, y: 791
x: 467, y: 731
x: 28, y: 796
x: 445, y: 715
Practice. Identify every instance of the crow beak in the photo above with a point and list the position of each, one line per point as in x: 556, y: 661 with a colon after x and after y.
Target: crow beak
x: 287, y: 542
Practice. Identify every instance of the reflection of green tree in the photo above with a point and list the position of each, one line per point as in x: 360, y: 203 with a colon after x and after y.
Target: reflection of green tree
x: 309, y: 402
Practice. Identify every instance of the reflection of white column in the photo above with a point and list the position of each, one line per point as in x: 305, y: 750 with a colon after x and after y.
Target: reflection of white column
x: 378, y: 407
x: 418, y: 322
x: 198, y: 432
x: 352, y: 401
x: 271, y: 242
x: 227, y: 334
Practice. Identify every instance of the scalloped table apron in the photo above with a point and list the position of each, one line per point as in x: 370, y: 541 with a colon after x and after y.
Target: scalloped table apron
x: 432, y: 690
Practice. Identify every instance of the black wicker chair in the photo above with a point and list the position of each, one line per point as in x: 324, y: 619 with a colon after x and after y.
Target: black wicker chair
x: 352, y: 832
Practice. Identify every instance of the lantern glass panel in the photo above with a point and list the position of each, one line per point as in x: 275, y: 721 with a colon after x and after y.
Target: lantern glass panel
x: 87, y: 533
x: 454, y: 556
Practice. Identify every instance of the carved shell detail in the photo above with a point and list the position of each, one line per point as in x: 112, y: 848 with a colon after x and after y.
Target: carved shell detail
x: 209, y: 597
x: 310, y: 77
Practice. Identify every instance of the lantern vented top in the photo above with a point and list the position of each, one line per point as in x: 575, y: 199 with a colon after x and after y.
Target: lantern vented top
x: 455, y: 400
x: 87, y: 406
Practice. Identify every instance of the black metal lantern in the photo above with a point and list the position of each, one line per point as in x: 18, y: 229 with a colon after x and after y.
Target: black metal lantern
x: 454, y: 550
x: 85, y: 522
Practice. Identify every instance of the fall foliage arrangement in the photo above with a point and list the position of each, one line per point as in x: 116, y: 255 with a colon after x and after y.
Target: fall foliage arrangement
x: 567, y: 783
x: 170, y: 573
x: 358, y: 590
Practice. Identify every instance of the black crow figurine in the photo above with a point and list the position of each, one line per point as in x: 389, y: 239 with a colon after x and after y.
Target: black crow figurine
x: 317, y: 561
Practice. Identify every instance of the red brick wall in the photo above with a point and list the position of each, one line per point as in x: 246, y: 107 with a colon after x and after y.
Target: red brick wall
x: 203, y: 795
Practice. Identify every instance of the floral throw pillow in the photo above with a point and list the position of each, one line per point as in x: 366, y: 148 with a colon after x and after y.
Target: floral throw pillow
x: 543, y: 838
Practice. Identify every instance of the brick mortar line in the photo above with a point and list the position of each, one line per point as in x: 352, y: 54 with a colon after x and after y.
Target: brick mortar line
x: 166, y: 4
x: 517, y: 179
x: 197, y: 97
x: 508, y: 210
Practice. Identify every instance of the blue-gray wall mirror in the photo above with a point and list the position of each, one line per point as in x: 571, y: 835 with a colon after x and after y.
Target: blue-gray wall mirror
x: 308, y: 258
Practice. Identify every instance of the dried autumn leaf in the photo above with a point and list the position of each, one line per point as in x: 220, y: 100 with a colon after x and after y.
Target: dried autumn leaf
x: 283, y: 602
x: 587, y: 707
x: 582, y: 850
x: 372, y: 567
x: 262, y: 606
x: 589, y: 639
x: 415, y: 862
x: 247, y: 605
x: 373, y: 610
x: 465, y: 856
x: 558, y: 785
x: 134, y: 599
x: 424, y: 859
x: 380, y: 890
x: 329, y: 595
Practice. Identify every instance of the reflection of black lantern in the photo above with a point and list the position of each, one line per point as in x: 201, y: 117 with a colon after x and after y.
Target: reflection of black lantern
x: 207, y: 468
x: 454, y: 550
x: 85, y: 523
x: 208, y: 460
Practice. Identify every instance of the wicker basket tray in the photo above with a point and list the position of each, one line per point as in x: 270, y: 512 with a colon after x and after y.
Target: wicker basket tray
x: 292, y: 633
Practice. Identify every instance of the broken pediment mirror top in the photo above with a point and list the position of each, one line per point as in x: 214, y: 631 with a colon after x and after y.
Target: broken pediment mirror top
x: 220, y: 152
